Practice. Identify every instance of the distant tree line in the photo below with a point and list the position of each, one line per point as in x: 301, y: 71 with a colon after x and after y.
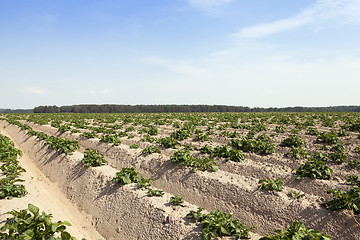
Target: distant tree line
x: 112, y: 108
x: 16, y: 110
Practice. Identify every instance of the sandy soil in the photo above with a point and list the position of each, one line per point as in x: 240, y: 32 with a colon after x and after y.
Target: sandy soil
x: 49, y: 198
x: 232, y: 189
x: 117, y: 213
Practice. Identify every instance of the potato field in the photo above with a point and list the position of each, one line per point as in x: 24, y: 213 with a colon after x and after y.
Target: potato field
x: 268, y: 176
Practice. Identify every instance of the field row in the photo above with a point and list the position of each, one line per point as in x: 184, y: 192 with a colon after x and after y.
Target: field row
x: 227, y: 164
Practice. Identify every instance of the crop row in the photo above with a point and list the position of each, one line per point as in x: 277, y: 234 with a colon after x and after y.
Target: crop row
x: 233, y: 150
x: 209, y: 153
x: 262, y: 144
x: 10, y: 169
x: 214, y: 224
x: 205, y: 128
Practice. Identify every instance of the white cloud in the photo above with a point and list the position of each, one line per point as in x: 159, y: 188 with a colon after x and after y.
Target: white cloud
x: 284, y: 82
x: 274, y: 27
x: 328, y: 11
x: 34, y: 90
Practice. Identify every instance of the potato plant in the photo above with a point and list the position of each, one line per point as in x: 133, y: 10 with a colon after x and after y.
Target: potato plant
x: 142, y: 182
x: 30, y: 224
x: 64, y: 128
x: 354, y: 179
x: 296, y: 195
x: 134, y: 146
x: 93, y: 158
x: 298, y: 153
x: 148, y: 138
x: 293, y: 141
x: 89, y: 135
x: 262, y: 145
x: 39, y: 135
x: 313, y: 131
x: 169, y: 142
x: 328, y: 138
x: 181, y: 134
x: 11, y: 167
x: 204, y: 164
x: 219, y: 224
x: 342, y: 133
x: 155, y: 193
x: 11, y: 170
x: 129, y: 175
x: 228, y: 153
x: 130, y: 129
x: 201, y: 137
x: 126, y: 176
x: 353, y: 126
x: 177, y: 124
x: 349, y: 200
x: 56, y: 123
x: 338, y: 156
x: 297, y: 230
x: 151, y: 130
x: 184, y: 158
x: 354, y: 164
x: 62, y: 145
x: 112, y: 139
x: 314, y: 168
x: 357, y: 149
x: 176, y: 200
x: 295, y: 130
x: 9, y: 189
x: 280, y: 129
x: 320, y: 156
x: 150, y: 150
x: 271, y: 185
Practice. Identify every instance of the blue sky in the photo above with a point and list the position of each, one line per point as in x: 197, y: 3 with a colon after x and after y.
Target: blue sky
x: 256, y: 53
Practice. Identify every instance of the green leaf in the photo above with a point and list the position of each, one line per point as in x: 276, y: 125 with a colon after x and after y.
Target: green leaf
x: 54, y: 226
x: 27, y: 235
x: 33, y: 209
x: 224, y: 230
x: 126, y: 179
x: 66, y: 223
x: 65, y: 236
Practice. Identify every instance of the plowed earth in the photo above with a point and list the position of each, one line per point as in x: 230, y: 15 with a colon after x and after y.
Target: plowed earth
x: 128, y: 213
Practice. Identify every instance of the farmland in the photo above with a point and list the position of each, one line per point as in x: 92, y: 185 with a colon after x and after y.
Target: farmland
x: 183, y: 175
